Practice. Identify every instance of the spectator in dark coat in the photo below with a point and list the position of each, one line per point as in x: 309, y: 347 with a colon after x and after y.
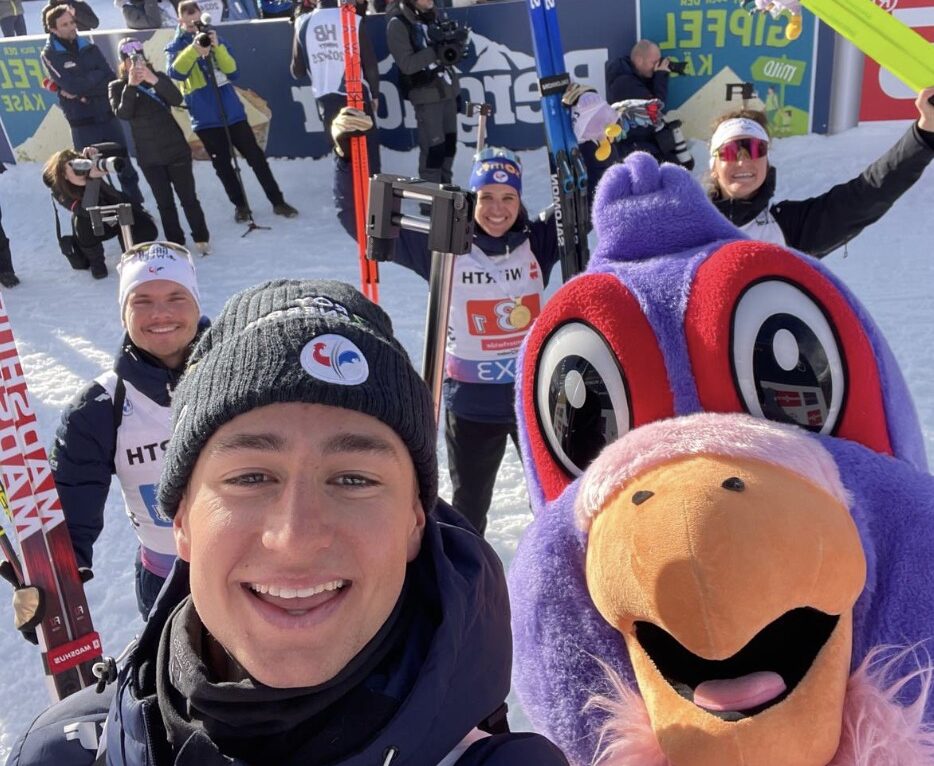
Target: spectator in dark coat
x: 149, y: 14
x: 81, y: 73
x: 12, y: 21
x: 85, y: 17
x: 145, y: 99
x: 68, y: 189
x: 742, y: 184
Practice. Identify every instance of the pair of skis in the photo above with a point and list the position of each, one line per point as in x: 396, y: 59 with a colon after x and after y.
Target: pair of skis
x: 70, y: 646
x: 879, y: 35
x: 360, y: 164
x: 568, y: 172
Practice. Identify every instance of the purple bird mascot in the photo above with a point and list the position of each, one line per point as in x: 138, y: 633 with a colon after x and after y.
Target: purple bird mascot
x: 731, y: 561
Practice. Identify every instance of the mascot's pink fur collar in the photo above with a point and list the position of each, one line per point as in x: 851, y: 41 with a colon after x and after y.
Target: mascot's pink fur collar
x: 877, y: 731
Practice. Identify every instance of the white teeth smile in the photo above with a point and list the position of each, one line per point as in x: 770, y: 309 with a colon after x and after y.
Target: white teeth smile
x: 275, y: 590
x: 161, y: 330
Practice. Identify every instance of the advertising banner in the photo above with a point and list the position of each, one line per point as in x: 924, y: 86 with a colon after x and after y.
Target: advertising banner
x: 724, y: 46
x: 498, y: 69
x: 24, y: 103
x: 884, y: 96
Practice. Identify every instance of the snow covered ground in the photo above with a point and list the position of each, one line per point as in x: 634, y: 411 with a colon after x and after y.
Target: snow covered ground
x: 67, y: 326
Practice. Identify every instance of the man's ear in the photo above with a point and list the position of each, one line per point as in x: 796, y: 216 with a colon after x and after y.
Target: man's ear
x: 182, y: 531
x: 417, y: 531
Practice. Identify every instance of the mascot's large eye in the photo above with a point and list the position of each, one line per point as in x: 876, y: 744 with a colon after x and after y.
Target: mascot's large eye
x: 786, y: 359
x: 591, y: 369
x: 581, y: 396
x: 770, y: 334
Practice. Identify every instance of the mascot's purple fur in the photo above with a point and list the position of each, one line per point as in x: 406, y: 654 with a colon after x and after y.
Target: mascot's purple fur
x: 685, y: 339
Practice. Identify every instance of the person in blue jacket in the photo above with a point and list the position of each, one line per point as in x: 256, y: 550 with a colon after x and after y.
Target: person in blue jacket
x: 497, y: 292
x: 327, y: 608
x: 120, y: 422
x: 195, y: 66
x: 81, y: 75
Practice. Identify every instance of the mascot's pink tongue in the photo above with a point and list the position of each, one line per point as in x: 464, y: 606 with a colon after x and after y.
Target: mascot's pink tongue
x: 739, y: 693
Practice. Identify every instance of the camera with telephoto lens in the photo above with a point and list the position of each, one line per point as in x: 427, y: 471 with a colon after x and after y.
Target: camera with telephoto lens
x: 449, y: 39
x: 83, y: 166
x: 204, y: 26
x: 677, y: 67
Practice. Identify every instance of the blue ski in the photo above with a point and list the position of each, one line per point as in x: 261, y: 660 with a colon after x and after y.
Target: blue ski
x: 568, y: 173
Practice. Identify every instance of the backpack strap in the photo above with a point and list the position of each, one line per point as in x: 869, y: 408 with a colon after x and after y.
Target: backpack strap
x: 58, y: 224
x: 118, y: 398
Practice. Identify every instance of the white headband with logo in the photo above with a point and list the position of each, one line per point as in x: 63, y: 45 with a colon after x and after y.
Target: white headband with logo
x: 157, y: 261
x: 737, y: 127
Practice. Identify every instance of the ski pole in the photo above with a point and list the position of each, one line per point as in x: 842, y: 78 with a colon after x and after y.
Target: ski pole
x: 482, y: 111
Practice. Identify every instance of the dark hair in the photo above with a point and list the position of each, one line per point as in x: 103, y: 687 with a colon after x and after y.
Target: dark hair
x: 749, y: 114
x: 53, y: 176
x: 52, y: 13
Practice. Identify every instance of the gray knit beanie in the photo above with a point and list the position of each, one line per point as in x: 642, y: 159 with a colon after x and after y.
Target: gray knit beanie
x: 312, y: 341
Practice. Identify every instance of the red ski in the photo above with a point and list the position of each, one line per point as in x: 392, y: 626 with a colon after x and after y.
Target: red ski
x: 360, y: 164
x: 69, y: 644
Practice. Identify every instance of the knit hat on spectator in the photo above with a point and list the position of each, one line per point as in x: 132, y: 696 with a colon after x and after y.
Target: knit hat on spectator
x: 313, y: 341
x: 496, y: 166
x: 149, y: 261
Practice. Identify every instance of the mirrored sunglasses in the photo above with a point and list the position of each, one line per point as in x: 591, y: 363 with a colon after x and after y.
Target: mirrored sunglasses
x: 142, y: 251
x: 754, y: 148
x: 131, y: 48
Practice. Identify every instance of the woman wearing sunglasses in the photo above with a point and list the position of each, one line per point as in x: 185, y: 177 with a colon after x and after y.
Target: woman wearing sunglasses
x: 144, y: 98
x: 742, y: 184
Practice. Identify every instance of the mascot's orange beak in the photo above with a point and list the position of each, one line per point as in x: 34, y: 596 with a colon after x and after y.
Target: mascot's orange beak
x: 733, y: 582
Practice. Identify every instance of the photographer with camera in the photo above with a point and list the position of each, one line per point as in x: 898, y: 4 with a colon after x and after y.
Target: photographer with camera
x: 145, y: 99
x: 426, y: 48
x: 204, y: 65
x: 644, y: 74
x: 318, y: 52
x: 68, y: 174
x: 81, y: 74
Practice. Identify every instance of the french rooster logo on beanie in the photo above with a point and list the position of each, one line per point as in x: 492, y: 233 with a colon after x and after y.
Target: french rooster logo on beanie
x: 313, y: 341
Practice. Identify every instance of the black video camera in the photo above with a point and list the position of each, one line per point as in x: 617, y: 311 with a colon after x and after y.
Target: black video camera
x: 204, y: 26
x: 449, y: 39
x: 677, y: 67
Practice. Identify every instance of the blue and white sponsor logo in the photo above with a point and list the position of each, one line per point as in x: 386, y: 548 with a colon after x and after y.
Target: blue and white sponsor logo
x: 334, y: 359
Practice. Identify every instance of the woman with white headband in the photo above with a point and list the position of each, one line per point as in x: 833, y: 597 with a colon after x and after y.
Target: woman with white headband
x: 743, y: 184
